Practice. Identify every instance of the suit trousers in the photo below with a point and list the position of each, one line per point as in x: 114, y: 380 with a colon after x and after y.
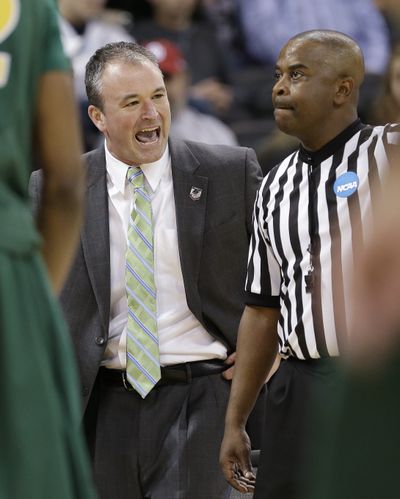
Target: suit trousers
x: 165, y: 446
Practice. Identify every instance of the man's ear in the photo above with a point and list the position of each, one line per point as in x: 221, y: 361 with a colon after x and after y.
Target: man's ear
x: 344, y: 90
x: 97, y: 116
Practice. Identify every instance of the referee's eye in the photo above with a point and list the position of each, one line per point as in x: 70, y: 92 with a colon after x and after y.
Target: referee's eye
x: 295, y: 75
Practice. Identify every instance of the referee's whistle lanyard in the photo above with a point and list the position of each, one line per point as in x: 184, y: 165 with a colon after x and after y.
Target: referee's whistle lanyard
x: 314, y: 245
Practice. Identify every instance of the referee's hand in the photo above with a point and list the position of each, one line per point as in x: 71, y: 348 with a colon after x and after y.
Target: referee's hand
x: 235, y: 460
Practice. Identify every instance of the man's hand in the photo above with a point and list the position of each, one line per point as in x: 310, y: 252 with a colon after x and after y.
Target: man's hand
x: 230, y: 361
x: 257, y: 347
x: 235, y: 460
x: 216, y: 93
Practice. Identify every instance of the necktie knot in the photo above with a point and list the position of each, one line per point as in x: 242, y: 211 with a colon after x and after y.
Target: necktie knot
x: 135, y: 176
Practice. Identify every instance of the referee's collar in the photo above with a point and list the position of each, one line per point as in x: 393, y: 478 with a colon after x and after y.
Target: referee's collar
x: 316, y: 157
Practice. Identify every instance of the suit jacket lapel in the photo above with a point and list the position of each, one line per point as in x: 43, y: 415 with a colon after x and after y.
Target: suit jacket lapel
x: 95, y: 234
x: 190, y: 191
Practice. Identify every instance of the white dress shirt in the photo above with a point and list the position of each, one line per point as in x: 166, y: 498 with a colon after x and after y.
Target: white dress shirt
x: 182, y: 338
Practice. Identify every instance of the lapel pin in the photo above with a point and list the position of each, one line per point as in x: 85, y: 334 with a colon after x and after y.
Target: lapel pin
x: 195, y: 193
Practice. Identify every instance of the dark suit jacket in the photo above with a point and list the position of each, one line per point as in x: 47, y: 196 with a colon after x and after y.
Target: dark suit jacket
x: 213, y: 236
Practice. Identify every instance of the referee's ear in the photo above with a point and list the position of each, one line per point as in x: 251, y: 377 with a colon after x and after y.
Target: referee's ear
x: 344, y: 90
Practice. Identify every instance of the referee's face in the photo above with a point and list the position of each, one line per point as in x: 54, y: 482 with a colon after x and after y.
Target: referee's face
x: 303, y: 94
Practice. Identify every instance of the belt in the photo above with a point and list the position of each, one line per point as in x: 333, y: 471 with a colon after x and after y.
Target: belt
x: 176, y: 373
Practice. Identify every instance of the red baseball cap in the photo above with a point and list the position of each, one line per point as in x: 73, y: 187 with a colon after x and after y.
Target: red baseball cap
x: 169, y: 56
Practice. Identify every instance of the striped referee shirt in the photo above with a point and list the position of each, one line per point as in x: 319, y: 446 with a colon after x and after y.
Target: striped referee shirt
x: 311, y: 215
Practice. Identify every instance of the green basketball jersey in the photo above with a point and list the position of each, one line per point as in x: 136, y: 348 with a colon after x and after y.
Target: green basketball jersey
x: 29, y: 46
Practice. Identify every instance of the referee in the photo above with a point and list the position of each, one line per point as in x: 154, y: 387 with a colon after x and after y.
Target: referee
x: 311, y: 216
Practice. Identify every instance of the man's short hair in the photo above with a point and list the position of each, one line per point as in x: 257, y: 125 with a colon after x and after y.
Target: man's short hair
x: 119, y: 51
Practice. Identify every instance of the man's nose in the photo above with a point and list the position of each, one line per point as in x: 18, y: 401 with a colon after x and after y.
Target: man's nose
x: 280, y: 87
x: 149, y: 110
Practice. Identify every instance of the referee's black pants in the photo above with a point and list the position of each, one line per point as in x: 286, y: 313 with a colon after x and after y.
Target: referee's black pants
x: 294, y: 395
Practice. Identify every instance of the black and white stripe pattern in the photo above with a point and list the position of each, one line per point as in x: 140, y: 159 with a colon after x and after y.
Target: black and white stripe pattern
x: 296, y: 213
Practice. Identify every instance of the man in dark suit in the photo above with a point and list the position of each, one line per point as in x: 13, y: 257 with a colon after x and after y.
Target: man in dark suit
x: 160, y: 442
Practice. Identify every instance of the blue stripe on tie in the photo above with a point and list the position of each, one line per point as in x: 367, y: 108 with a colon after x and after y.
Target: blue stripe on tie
x: 135, y: 175
x: 142, y: 369
x: 140, y: 258
x: 141, y: 235
x: 144, y: 349
x: 140, y: 302
x: 144, y: 217
x: 143, y: 392
x: 142, y: 326
x: 140, y: 280
x: 143, y: 193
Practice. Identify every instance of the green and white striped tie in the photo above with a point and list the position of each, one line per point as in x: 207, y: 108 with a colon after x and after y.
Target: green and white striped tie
x: 142, y: 350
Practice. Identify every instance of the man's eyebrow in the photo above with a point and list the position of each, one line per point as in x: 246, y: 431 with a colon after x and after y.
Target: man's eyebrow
x: 293, y: 67
x: 135, y: 96
x: 130, y: 96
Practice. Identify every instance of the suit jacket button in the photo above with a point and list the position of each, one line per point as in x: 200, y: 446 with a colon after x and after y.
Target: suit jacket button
x: 100, y: 340
x: 85, y: 391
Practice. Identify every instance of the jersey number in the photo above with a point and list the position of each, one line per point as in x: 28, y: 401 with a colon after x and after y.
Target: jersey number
x: 9, y: 17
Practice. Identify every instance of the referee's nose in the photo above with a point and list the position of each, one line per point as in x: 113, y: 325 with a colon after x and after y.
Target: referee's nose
x: 281, y: 86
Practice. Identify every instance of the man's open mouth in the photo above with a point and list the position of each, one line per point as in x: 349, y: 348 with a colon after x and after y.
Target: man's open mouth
x: 148, y: 135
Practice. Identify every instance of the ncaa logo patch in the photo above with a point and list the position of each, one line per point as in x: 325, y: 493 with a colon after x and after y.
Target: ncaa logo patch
x: 346, y: 184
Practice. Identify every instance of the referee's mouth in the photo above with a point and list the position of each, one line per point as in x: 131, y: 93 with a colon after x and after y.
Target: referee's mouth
x: 278, y: 105
x: 283, y: 112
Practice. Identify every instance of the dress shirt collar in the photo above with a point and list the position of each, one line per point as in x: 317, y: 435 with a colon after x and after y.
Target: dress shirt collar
x: 153, y: 172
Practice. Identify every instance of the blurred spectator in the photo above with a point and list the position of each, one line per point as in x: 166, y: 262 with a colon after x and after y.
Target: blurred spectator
x: 391, y: 12
x: 267, y: 25
x: 187, y: 123
x: 84, y: 27
x: 138, y: 9
x: 210, y: 66
x: 386, y: 108
x: 224, y: 14
x: 274, y: 148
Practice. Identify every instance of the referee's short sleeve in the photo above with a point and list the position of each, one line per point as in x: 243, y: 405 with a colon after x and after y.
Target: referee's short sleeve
x: 263, y: 280
x: 256, y: 300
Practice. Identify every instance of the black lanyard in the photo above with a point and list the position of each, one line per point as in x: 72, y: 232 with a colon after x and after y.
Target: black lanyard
x: 314, y: 245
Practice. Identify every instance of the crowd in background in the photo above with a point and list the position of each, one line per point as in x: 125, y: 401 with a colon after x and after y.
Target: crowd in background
x: 228, y: 48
